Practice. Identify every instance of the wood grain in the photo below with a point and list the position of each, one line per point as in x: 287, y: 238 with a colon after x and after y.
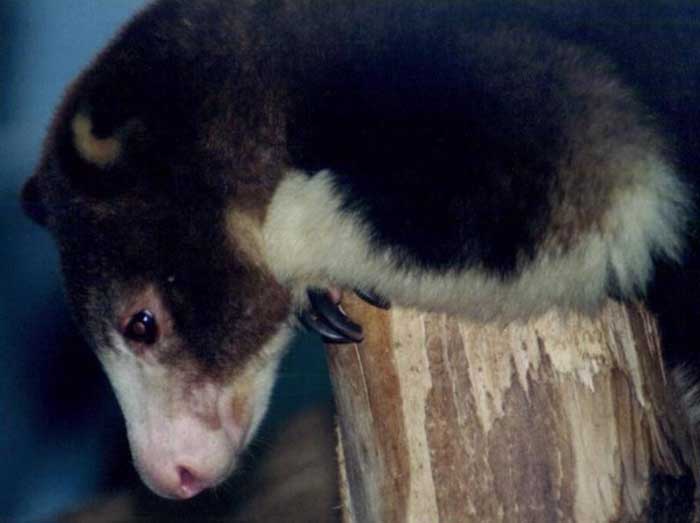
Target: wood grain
x: 559, y: 419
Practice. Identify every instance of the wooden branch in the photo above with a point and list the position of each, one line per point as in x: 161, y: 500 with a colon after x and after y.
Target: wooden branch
x: 561, y: 419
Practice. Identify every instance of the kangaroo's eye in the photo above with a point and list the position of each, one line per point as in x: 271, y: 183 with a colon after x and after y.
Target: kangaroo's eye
x: 142, y: 328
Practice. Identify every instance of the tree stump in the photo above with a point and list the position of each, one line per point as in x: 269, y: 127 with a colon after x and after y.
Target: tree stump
x: 564, y: 418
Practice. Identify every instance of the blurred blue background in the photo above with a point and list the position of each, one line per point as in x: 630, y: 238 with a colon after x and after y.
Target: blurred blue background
x: 61, y: 435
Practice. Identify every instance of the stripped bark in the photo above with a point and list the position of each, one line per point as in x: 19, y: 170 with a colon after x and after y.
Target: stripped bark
x: 560, y: 419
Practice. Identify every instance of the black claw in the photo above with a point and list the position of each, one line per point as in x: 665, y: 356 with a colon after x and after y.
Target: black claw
x: 330, y: 313
x: 327, y: 318
x: 315, y: 323
x: 374, y: 299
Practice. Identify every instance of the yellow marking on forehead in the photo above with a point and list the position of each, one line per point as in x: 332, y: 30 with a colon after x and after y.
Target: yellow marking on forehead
x: 100, y: 152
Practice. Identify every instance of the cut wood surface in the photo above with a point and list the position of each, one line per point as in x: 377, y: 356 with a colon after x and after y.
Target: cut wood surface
x: 443, y: 420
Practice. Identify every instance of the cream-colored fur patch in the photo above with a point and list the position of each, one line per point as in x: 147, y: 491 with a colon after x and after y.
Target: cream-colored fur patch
x: 171, y: 419
x: 246, y: 235
x: 100, y: 152
x: 311, y: 241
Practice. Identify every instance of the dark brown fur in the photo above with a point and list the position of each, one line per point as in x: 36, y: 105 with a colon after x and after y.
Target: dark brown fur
x: 462, y: 140
x: 199, y: 140
x: 213, y: 101
x: 462, y: 144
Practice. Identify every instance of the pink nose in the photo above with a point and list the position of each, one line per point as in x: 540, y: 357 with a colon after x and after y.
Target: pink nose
x: 178, y: 482
x: 190, y: 483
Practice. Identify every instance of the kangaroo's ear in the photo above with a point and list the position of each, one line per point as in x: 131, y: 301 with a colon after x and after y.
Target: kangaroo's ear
x: 32, y: 202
